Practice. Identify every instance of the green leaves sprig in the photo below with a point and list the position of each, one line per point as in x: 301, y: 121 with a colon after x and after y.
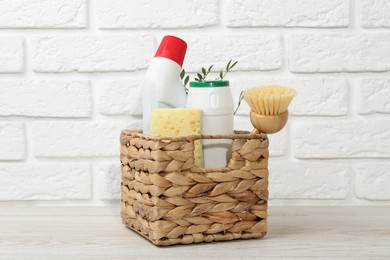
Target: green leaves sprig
x: 222, y: 74
x: 229, y: 67
x: 202, y: 76
x: 185, y: 78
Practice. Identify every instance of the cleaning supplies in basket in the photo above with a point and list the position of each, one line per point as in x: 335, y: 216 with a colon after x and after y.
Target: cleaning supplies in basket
x: 162, y: 87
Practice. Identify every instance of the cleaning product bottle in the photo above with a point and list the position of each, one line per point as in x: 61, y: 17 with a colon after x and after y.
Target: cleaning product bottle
x: 216, y: 101
x: 162, y: 86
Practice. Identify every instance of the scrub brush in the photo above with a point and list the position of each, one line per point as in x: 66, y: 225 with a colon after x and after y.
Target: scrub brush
x: 269, y: 106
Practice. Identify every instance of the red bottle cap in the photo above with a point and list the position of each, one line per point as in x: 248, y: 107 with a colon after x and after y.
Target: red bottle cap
x: 172, y: 48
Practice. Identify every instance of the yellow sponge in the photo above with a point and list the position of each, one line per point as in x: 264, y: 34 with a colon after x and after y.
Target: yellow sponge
x: 179, y: 122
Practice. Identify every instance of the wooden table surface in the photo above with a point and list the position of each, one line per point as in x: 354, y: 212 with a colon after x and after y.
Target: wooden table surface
x: 97, y: 233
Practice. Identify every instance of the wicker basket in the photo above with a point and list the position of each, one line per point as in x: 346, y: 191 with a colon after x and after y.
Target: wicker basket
x: 168, y: 200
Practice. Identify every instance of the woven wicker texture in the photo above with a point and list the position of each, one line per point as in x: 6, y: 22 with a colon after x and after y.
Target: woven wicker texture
x: 168, y: 200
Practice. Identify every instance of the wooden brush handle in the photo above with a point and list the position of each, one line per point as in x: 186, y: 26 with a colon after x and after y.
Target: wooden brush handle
x: 255, y: 131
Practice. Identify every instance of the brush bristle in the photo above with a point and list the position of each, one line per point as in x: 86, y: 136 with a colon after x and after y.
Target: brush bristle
x: 269, y: 100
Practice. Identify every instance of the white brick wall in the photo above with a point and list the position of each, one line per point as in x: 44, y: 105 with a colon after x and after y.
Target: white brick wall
x: 11, y: 54
x: 311, y: 53
x: 120, y: 97
x: 45, y: 98
x: 12, y: 141
x: 91, y: 53
x: 71, y: 74
x: 43, y: 14
x: 54, y: 181
x: 288, y: 13
x: 343, y: 139
x: 301, y: 180
x: 255, y: 51
x: 372, y: 181
x: 375, y: 13
x: 109, y: 181
x: 374, y: 96
x: 140, y: 14
x: 77, y: 139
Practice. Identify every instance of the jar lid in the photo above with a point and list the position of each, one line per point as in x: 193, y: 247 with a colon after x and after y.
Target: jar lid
x: 209, y: 84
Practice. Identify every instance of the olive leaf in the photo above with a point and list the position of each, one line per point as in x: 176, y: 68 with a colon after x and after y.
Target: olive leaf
x: 185, y: 84
x: 239, y: 102
x: 186, y: 79
x: 234, y: 64
x: 229, y: 67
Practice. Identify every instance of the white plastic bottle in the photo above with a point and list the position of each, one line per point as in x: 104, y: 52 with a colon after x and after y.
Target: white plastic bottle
x: 162, y: 86
x: 216, y: 101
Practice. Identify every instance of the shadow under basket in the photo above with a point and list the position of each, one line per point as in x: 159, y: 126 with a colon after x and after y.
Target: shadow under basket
x: 169, y: 200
